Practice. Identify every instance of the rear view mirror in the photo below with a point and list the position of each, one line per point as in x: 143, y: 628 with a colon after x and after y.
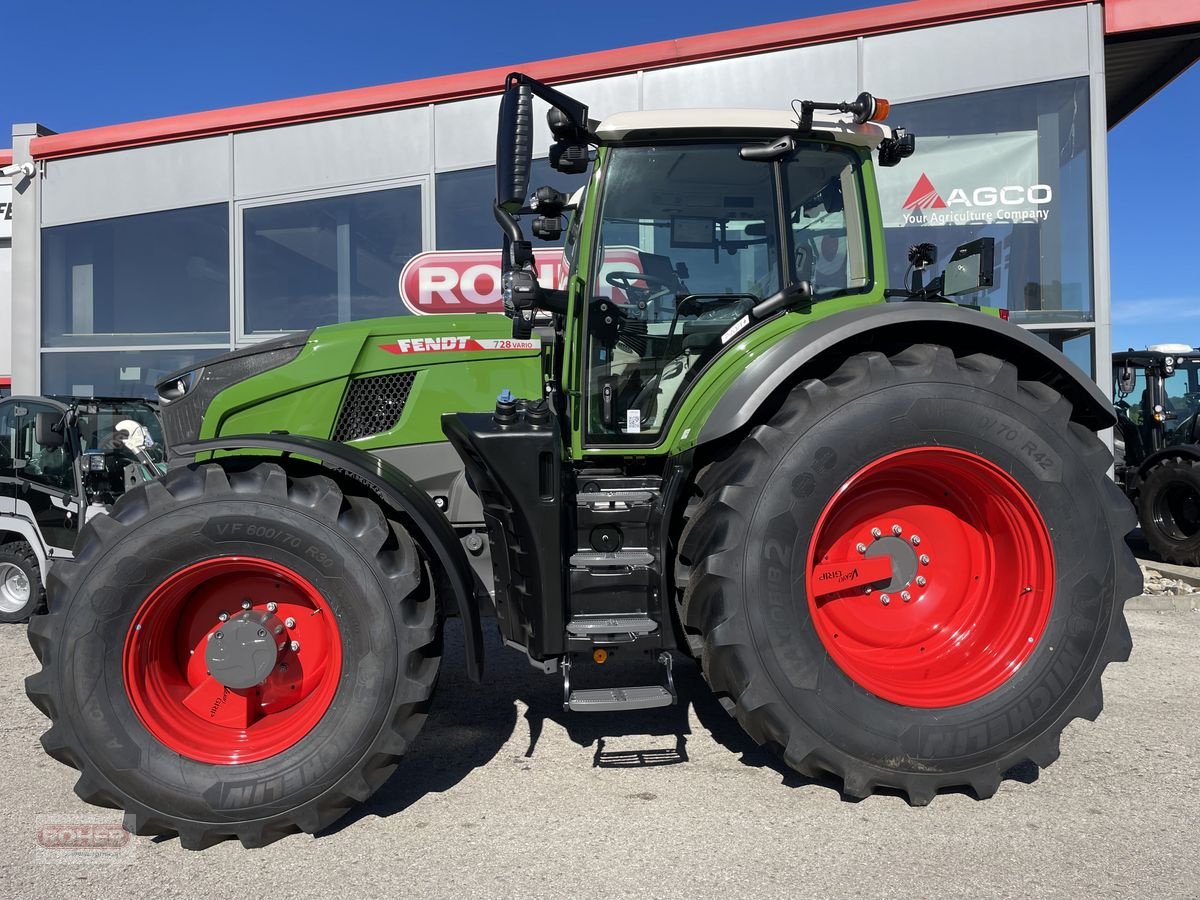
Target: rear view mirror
x: 1126, y: 380
x: 47, y: 429
x: 514, y: 146
x: 972, y: 268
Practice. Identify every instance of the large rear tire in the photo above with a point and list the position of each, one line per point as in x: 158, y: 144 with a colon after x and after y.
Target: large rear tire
x: 911, y: 576
x: 332, y: 605
x: 1169, y: 510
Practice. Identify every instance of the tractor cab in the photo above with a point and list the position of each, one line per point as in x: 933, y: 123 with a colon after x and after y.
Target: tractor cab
x: 1156, y: 393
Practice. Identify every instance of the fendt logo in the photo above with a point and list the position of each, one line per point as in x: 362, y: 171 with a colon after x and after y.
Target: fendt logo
x: 984, y: 204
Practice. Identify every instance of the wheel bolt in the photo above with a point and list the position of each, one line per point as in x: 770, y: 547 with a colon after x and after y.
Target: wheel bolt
x: 870, y: 590
x: 289, y: 622
x: 905, y: 596
x: 283, y: 667
x: 876, y: 533
x: 295, y: 646
x: 223, y: 617
x: 272, y: 606
x: 897, y: 530
x: 921, y: 581
x: 885, y: 599
x: 246, y: 604
x: 924, y: 559
x: 261, y: 633
x: 220, y: 635
x: 861, y: 548
x: 915, y: 540
x: 279, y: 629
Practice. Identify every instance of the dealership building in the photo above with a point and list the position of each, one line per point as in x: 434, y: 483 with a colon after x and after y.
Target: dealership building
x: 132, y: 250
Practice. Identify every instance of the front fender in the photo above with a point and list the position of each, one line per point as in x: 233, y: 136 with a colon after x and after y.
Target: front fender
x: 819, y: 347
x: 397, y: 491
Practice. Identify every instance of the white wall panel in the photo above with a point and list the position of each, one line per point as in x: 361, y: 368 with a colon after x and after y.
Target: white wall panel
x: 976, y: 56
x: 765, y: 80
x: 353, y: 150
x: 466, y: 130
x: 124, y: 182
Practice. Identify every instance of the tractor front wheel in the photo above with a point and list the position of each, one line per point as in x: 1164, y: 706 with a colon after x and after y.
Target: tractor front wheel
x: 912, y: 575
x: 236, y: 654
x: 1169, y: 510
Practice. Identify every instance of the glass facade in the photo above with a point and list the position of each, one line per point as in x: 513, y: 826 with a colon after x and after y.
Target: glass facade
x: 158, y: 278
x: 327, y: 260
x: 1011, y: 164
x: 115, y: 373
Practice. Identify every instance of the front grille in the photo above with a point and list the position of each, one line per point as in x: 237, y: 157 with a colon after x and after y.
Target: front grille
x: 373, y: 405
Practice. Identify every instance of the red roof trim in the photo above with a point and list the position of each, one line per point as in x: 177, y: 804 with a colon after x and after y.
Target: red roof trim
x: 719, y: 45
x: 5, y: 157
x: 1121, y: 16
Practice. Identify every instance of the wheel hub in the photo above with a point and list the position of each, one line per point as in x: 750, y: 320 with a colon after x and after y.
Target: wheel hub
x: 930, y: 577
x: 14, y: 588
x: 242, y: 652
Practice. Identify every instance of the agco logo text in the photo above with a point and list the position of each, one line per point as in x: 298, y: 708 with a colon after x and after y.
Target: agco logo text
x: 984, y: 204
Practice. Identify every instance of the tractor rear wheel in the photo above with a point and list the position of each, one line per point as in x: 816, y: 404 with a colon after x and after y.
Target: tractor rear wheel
x: 912, y: 575
x: 1169, y: 510
x: 236, y: 654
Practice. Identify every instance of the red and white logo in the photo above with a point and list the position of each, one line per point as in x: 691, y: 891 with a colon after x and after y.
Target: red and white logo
x: 458, y: 344
x: 924, y: 195
x: 467, y: 281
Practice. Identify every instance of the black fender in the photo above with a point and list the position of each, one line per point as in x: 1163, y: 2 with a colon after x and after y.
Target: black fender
x: 397, y: 491
x: 818, y: 348
x: 1189, y: 452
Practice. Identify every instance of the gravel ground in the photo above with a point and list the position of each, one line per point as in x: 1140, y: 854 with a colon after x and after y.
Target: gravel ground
x: 504, y: 796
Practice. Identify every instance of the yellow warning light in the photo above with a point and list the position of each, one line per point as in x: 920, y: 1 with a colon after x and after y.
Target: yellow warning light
x: 600, y: 655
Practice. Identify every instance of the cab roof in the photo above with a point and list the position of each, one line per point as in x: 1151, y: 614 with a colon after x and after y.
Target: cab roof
x: 772, y: 122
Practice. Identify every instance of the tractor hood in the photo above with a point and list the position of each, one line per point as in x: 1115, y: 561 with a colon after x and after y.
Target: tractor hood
x: 358, y: 381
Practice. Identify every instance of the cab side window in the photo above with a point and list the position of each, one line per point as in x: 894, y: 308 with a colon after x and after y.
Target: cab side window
x: 50, y: 466
x: 6, y: 439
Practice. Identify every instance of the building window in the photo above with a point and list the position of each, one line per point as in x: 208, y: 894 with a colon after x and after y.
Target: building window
x: 156, y: 278
x: 1012, y: 164
x: 115, y: 373
x: 464, y: 205
x: 327, y: 260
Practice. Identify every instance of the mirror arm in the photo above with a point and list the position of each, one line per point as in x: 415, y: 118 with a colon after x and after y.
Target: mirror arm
x: 508, y: 223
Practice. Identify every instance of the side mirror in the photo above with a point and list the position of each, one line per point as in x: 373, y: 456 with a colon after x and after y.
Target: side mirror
x: 1126, y: 380
x: 514, y: 145
x: 972, y: 268
x: 47, y: 429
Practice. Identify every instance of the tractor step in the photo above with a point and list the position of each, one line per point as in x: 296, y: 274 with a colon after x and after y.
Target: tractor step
x: 650, y: 696
x: 596, y: 626
x: 595, y: 559
x: 616, y: 699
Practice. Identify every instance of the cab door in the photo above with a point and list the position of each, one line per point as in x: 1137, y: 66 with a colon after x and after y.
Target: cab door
x: 45, y: 481
x: 7, y: 474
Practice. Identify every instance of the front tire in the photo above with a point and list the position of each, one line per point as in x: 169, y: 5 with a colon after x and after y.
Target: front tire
x: 332, y: 605
x: 21, y: 591
x: 999, y: 605
x: 1169, y: 510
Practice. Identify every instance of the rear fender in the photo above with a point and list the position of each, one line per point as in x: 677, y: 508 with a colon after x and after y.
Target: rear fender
x: 396, y: 491
x: 1188, y: 452
x: 818, y: 348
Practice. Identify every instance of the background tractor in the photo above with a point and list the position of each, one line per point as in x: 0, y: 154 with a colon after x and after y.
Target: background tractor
x: 1157, y: 396
x: 63, y: 460
x: 884, y: 530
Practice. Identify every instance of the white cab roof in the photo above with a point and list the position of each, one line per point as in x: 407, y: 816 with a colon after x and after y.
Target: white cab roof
x: 772, y: 121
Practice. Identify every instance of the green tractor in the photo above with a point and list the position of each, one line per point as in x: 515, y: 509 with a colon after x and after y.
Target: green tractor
x: 1156, y: 393
x: 883, y: 529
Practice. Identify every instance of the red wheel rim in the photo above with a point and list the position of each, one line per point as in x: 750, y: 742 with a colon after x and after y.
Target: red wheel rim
x: 194, y: 714
x: 931, y: 577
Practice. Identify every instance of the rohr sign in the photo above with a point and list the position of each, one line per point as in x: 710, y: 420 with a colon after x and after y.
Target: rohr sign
x: 465, y: 281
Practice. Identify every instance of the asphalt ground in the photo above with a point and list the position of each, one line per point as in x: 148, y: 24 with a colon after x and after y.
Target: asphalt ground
x: 506, y: 796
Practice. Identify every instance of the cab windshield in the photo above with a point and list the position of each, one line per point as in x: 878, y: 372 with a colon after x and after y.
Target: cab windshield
x: 691, y: 237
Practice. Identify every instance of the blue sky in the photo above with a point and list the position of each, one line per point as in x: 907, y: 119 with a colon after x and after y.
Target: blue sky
x: 101, y: 63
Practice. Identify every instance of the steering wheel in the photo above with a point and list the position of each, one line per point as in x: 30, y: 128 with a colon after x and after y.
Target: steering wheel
x: 625, y: 282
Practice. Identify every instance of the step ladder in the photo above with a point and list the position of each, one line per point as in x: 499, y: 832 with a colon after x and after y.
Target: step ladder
x: 619, y: 699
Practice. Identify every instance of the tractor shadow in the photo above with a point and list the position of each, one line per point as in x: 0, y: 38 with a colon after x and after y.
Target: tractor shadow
x: 471, y: 723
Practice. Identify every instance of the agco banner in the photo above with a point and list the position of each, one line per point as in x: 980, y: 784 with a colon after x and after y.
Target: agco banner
x: 967, y: 180
x: 459, y: 281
